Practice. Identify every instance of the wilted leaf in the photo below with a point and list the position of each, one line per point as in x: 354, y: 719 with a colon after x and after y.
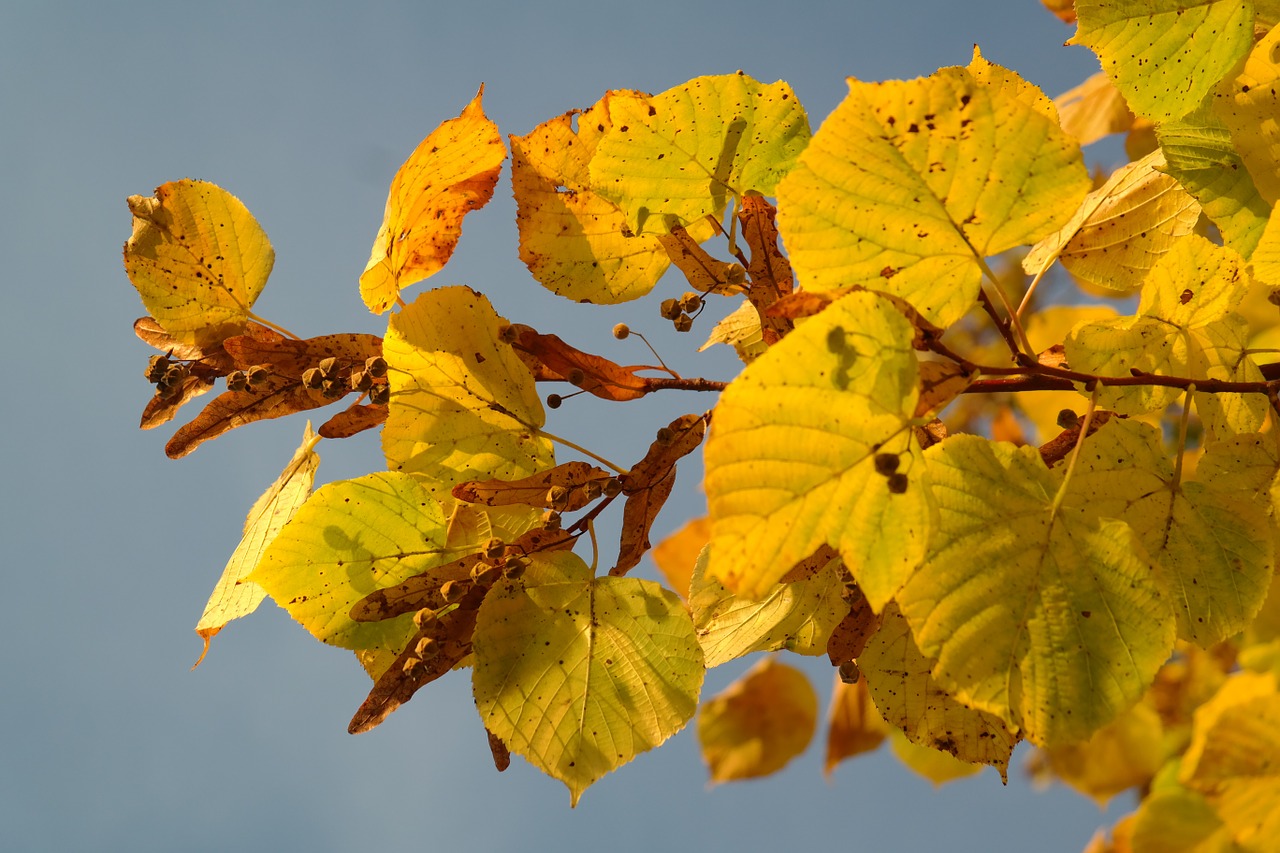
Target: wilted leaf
x: 600, y: 376
x: 638, y: 514
x: 353, y: 420
x: 568, y: 487
x: 850, y: 636
x: 703, y: 272
x: 581, y: 674
x: 451, y: 173
x: 742, y: 330
x: 769, y: 270
x: 940, y: 383
x: 198, y: 259
x: 233, y: 596
x: 855, y: 725
x: 759, y: 723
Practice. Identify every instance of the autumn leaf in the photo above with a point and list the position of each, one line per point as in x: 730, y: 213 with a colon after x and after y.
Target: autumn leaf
x: 908, y: 185
x: 704, y: 273
x: 598, y: 376
x: 792, y: 456
x: 353, y: 420
x: 908, y: 696
x: 1165, y: 55
x: 451, y: 173
x: 198, y: 259
x: 677, y: 555
x: 1033, y: 613
x: 676, y: 157
x: 463, y: 406
x: 568, y: 487
x: 1125, y: 753
x: 854, y: 725
x: 581, y: 674
x: 797, y: 616
x: 1248, y: 104
x: 759, y: 723
x: 1093, y: 109
x: 742, y: 330
x: 933, y: 764
x: 233, y: 596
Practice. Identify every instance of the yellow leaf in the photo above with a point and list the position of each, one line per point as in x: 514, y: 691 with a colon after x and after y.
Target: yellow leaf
x: 1234, y: 759
x: 1165, y: 55
x: 855, y: 725
x: 1123, y: 754
x: 676, y: 555
x: 463, y: 406
x: 1203, y: 538
x: 759, y: 723
x: 581, y: 674
x: 791, y: 456
x: 349, y: 539
x: 1266, y: 257
x: 575, y: 241
x: 233, y: 596
x: 740, y: 329
x: 1122, y: 228
x: 936, y: 766
x: 1043, y: 618
x: 907, y: 186
x: 1180, y: 821
x: 1046, y: 327
x: 798, y: 616
x: 451, y: 173
x: 198, y: 259
x: 1250, y: 107
x: 1094, y: 109
x: 909, y: 698
x: 689, y: 151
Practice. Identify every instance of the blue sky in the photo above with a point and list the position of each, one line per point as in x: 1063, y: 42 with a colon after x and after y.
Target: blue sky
x: 107, y: 741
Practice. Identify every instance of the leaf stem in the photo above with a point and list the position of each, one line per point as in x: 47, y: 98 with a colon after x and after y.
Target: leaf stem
x: 1182, y: 437
x: 270, y: 325
x: 567, y: 443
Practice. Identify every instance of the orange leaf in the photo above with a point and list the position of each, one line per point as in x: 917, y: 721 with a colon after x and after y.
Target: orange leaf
x: 355, y: 419
x: 451, y: 173
x: 565, y: 488
x: 675, y: 441
x: 850, y: 637
x: 940, y: 383
x: 600, y: 376
x: 638, y: 515
x: 701, y: 270
x: 855, y: 727
x: 769, y: 270
x: 677, y: 554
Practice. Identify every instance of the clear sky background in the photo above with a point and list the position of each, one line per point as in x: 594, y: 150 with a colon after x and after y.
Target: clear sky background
x: 305, y: 110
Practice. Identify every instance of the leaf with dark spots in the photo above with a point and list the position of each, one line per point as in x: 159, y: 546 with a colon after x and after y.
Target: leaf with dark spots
x: 565, y: 488
x: 850, y: 636
x: 600, y: 377
x: 703, y: 272
x: 279, y: 396
x: 355, y: 419
x: 675, y: 441
x: 638, y: 515
x: 811, y: 565
x: 769, y: 270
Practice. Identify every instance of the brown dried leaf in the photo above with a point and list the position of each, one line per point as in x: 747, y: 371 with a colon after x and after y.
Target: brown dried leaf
x: 638, y: 515
x: 850, y: 637
x: 452, y: 633
x: 582, y: 483
x: 1056, y: 449
x: 280, y: 396
x: 855, y: 725
x: 289, y: 357
x: 501, y: 755
x: 931, y: 433
x: 811, y: 565
x: 601, y: 377
x: 160, y: 410
x: 355, y: 419
x: 769, y: 269
x: 940, y: 383
x: 677, y: 440
x: 701, y: 270
x: 804, y: 303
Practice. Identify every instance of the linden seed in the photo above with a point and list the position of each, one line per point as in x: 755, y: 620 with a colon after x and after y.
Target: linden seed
x: 329, y: 367
x: 849, y: 672
x: 554, y: 401
x: 669, y: 309
x: 886, y: 463
x: 424, y: 617
x: 683, y: 323
x: 376, y: 367
x: 612, y: 486
x: 380, y: 395
x: 507, y: 333
x: 313, y: 378
x: 897, y: 483
x: 237, y: 381
x: 493, y: 549
x: 427, y: 647
x: 622, y: 331
x: 665, y: 436
x: 452, y: 591
x: 690, y: 302
x: 1068, y: 419
x: 551, y: 520
x: 513, y: 569
x: 735, y: 274
x: 576, y: 376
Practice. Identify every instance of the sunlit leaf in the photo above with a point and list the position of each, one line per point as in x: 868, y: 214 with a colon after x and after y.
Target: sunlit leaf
x: 581, y: 674
x: 198, y: 259
x: 349, y: 539
x: 791, y: 460
x: 740, y: 329
x: 1122, y: 228
x: 1249, y: 105
x: 676, y: 555
x: 933, y: 764
x: 233, y: 596
x: 1041, y: 617
x: 854, y: 725
x: 1165, y: 55
x: 451, y: 173
x: 908, y: 697
x: 907, y: 186
x: 797, y: 616
x: 1266, y: 257
x: 759, y: 723
x: 1123, y: 754
x: 691, y: 150
x: 463, y: 406
x: 1093, y: 109
x: 573, y: 240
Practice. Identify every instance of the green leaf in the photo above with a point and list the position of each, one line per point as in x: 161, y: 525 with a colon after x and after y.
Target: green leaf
x: 791, y: 455
x: 1046, y: 619
x: 233, y: 596
x: 1199, y: 152
x: 907, y: 695
x: 908, y: 185
x: 1203, y: 537
x: 350, y: 538
x: 1165, y: 56
x: 798, y: 616
x: 581, y: 674
x: 689, y: 151
x: 463, y: 406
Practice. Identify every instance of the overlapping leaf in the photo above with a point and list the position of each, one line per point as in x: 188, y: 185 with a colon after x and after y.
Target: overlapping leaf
x: 463, y: 406
x: 1204, y: 538
x: 791, y: 459
x: 1124, y: 754
x: 676, y: 157
x: 1266, y: 258
x: 451, y: 173
x: 797, y: 616
x: 1248, y: 104
x: 1122, y: 228
x: 1186, y: 327
x: 233, y: 596
x: 908, y: 696
x: 1093, y: 109
x: 1046, y: 619
x: 854, y: 724
x: 1165, y: 55
x: 349, y: 539
x: 759, y: 723
x: 909, y: 184
x: 198, y: 259
x: 581, y: 674
x: 575, y: 241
